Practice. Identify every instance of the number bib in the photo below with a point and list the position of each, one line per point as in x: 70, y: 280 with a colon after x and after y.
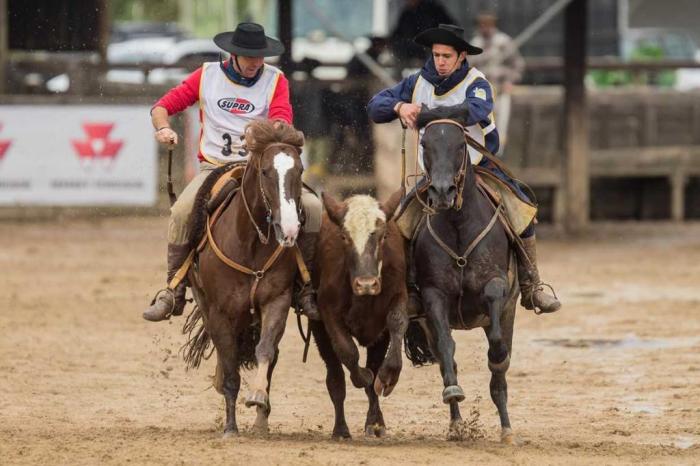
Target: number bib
x: 424, y: 93
x: 226, y: 108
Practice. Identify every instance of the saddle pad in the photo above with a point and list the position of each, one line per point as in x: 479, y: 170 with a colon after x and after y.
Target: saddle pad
x: 520, y: 213
x: 409, y: 217
x: 236, y: 173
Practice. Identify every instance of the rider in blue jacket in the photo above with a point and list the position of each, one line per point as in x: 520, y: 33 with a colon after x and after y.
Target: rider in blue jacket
x: 447, y: 79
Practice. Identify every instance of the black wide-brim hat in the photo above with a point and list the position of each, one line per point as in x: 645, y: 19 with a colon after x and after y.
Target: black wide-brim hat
x: 249, y: 40
x: 447, y: 34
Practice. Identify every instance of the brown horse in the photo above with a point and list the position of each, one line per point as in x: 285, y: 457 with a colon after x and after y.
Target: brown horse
x: 243, y: 278
x: 361, y: 284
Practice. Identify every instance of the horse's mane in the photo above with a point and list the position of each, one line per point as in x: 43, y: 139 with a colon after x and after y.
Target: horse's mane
x: 261, y: 133
x: 459, y: 113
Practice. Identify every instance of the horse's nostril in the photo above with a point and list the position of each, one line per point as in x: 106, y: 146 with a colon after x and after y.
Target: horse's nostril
x: 451, y: 191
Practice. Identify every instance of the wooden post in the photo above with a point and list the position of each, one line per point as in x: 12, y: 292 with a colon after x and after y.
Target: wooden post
x: 576, y: 170
x: 284, y: 31
x: 104, y: 8
x: 4, y: 45
x: 186, y: 14
x: 678, y: 181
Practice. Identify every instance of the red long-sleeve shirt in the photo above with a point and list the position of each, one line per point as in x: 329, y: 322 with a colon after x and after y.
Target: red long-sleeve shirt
x: 186, y: 94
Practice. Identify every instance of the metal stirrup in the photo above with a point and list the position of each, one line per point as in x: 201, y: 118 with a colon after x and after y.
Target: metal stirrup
x: 172, y: 302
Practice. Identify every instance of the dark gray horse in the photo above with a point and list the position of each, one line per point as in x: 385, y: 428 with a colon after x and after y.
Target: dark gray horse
x: 466, y: 268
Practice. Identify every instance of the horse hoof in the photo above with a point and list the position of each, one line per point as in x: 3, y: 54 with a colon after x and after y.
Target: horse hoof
x: 452, y: 393
x: 457, y: 431
x: 383, y: 389
x: 257, y: 398
x: 375, y: 430
x: 230, y: 434
x: 378, y: 387
x: 341, y: 435
x: 260, y: 428
x: 508, y: 437
x: 363, y: 378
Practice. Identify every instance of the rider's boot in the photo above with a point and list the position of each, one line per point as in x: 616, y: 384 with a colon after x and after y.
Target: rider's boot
x: 533, y: 296
x: 170, y: 302
x: 306, y: 295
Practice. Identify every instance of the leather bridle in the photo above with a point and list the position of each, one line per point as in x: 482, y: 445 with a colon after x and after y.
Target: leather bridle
x: 264, y: 239
x: 459, y: 177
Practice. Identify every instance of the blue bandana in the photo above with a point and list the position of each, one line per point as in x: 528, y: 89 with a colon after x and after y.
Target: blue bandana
x: 230, y: 71
x: 443, y: 85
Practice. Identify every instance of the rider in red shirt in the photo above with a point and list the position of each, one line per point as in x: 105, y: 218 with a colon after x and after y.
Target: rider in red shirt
x: 231, y: 94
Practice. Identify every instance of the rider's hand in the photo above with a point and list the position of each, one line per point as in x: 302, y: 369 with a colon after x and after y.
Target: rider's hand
x: 166, y: 135
x: 408, y: 114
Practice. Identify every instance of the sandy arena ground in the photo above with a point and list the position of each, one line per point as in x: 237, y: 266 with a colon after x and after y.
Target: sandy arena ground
x: 614, y: 378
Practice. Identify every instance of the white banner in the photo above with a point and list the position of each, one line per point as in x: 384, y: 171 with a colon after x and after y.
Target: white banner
x: 77, y: 155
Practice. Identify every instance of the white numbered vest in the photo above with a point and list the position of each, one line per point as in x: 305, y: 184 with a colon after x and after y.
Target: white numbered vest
x: 226, y: 108
x: 424, y: 93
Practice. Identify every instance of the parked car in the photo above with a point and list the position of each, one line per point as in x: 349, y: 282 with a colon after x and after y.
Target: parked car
x: 130, y: 30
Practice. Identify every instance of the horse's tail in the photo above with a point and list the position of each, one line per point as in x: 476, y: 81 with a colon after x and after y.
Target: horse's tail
x: 198, y: 342
x: 247, y: 341
x: 416, y: 344
x: 199, y: 347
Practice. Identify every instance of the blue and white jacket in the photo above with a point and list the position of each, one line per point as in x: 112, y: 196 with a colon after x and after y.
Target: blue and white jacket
x: 467, y: 84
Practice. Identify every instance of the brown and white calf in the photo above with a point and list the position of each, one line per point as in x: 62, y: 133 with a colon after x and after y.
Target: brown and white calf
x: 360, y: 278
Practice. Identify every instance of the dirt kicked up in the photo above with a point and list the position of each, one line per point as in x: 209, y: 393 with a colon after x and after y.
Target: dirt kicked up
x: 613, y: 378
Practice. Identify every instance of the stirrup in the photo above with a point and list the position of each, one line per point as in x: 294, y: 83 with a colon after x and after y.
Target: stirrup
x: 305, y: 293
x: 172, y: 306
x: 540, y: 287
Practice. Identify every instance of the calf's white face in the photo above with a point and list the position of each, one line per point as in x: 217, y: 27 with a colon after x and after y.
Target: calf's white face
x: 363, y: 224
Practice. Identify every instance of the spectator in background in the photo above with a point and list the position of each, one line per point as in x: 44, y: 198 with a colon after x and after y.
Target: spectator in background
x: 503, y: 65
x: 417, y: 16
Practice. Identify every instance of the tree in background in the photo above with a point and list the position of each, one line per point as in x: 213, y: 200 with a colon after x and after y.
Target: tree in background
x: 202, y: 18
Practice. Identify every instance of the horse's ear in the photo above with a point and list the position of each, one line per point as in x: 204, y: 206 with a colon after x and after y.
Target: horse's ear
x: 336, y: 209
x: 247, y: 136
x: 390, y: 205
x: 459, y: 113
x: 425, y: 116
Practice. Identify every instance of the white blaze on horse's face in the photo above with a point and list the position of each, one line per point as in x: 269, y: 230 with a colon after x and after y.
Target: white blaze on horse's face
x: 289, y: 216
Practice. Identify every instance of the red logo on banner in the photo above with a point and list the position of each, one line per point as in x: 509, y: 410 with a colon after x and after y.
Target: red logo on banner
x: 97, y: 145
x: 4, y: 145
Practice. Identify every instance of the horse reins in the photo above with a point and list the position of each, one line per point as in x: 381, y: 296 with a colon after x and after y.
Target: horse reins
x: 264, y: 239
x: 458, y: 179
x: 169, y: 183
